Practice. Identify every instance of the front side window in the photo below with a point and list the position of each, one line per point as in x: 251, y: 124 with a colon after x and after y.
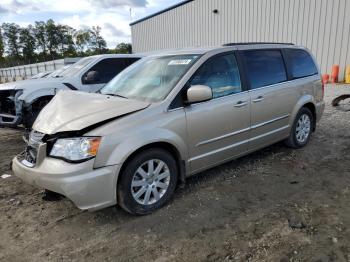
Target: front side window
x: 264, y: 67
x: 150, y: 79
x: 109, y: 68
x: 301, y: 64
x: 221, y: 74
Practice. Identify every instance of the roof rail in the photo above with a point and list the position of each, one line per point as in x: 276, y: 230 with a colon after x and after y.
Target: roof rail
x: 256, y: 43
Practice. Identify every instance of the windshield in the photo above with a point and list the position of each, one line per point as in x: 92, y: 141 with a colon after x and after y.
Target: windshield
x: 59, y: 72
x: 73, y: 69
x: 150, y: 79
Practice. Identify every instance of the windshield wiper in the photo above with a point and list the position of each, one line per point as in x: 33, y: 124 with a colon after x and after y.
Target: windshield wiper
x: 116, y: 95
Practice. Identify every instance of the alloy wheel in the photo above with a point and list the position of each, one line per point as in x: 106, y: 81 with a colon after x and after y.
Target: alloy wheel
x: 150, y: 182
x: 303, y: 128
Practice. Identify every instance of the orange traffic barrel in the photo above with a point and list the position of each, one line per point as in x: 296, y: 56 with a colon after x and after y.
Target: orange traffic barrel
x: 335, y: 74
x: 347, y: 74
x: 325, y: 78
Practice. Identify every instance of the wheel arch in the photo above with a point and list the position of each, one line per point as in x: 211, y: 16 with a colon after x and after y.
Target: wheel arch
x: 41, y: 98
x: 312, y: 108
x: 162, y: 145
x: 308, y: 102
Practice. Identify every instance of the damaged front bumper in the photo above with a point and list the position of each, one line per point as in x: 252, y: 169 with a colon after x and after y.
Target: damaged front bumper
x: 89, y: 188
x: 11, y: 108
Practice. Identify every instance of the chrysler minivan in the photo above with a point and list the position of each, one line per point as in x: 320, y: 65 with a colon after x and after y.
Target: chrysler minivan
x: 169, y: 116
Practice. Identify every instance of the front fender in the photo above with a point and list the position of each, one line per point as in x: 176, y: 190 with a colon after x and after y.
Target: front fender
x: 130, y: 145
x: 29, y: 96
x: 301, y: 102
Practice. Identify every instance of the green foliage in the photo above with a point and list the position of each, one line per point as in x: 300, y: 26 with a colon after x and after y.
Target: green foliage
x: 2, y: 46
x: 123, y: 48
x: 97, y: 43
x: 27, y: 43
x: 45, y: 41
x: 11, y: 35
x: 40, y: 36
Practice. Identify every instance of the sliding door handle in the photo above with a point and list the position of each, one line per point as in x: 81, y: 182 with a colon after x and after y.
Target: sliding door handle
x: 241, y: 103
x: 258, y: 99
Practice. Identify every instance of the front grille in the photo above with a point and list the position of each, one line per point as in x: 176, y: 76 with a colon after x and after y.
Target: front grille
x: 33, y: 142
x: 7, y: 102
x: 35, y: 137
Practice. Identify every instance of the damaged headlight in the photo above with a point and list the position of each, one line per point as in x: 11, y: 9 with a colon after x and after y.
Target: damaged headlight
x: 76, y: 149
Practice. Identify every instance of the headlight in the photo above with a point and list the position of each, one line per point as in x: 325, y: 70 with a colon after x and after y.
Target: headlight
x: 76, y: 149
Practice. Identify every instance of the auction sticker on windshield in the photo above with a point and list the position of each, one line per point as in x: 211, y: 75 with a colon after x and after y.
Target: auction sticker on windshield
x: 180, y: 62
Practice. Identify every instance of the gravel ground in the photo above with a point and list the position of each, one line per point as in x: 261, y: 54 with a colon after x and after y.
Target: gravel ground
x: 277, y: 204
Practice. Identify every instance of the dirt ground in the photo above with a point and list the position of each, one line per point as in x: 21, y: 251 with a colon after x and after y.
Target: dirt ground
x: 277, y: 204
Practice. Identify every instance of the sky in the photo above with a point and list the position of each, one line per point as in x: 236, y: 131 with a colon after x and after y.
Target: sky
x: 113, y: 16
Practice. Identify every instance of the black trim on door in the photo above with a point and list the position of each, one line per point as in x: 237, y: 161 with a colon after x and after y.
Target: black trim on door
x: 242, y: 71
x: 70, y: 86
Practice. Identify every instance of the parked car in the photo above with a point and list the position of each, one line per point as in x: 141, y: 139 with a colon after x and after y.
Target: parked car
x: 169, y: 116
x: 21, y: 102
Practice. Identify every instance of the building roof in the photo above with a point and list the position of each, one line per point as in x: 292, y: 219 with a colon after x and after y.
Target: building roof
x: 160, y: 12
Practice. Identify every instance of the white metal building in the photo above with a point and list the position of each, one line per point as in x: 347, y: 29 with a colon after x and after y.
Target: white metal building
x: 321, y: 25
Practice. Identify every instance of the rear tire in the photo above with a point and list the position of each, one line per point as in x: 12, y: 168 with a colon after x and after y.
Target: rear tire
x: 301, y: 130
x: 148, y: 182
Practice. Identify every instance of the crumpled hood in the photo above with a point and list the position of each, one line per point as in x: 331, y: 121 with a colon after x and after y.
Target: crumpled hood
x: 29, y: 83
x: 73, y: 111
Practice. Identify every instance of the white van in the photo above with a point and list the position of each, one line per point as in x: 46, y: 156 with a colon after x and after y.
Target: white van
x: 21, y: 102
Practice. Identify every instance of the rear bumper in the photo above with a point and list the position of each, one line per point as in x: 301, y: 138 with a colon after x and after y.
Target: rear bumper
x: 89, y: 188
x: 320, y: 106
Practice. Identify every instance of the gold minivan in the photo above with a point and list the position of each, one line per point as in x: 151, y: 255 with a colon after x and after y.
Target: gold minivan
x: 168, y: 116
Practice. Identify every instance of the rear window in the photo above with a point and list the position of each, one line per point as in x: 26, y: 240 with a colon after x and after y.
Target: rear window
x: 300, y: 63
x: 265, y: 67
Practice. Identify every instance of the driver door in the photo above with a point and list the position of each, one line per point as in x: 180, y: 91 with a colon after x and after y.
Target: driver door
x: 218, y: 129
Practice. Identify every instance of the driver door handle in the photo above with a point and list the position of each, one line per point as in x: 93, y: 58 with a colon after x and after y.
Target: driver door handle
x: 241, y: 103
x: 258, y: 99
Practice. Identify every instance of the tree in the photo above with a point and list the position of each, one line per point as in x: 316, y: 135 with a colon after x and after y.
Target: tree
x: 27, y: 43
x: 52, y: 37
x: 2, y: 46
x: 65, y: 39
x: 123, y: 48
x: 82, y: 40
x: 19, y: 45
x: 40, y: 36
x: 97, y: 43
x: 11, y: 34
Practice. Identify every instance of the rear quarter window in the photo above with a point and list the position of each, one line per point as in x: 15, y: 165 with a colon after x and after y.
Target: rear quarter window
x: 300, y: 63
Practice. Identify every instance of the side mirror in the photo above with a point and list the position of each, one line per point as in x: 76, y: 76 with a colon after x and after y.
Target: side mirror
x: 92, y: 77
x: 199, y: 93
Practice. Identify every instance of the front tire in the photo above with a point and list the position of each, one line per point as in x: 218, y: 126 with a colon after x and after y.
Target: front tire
x: 148, y: 182
x: 302, y: 129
